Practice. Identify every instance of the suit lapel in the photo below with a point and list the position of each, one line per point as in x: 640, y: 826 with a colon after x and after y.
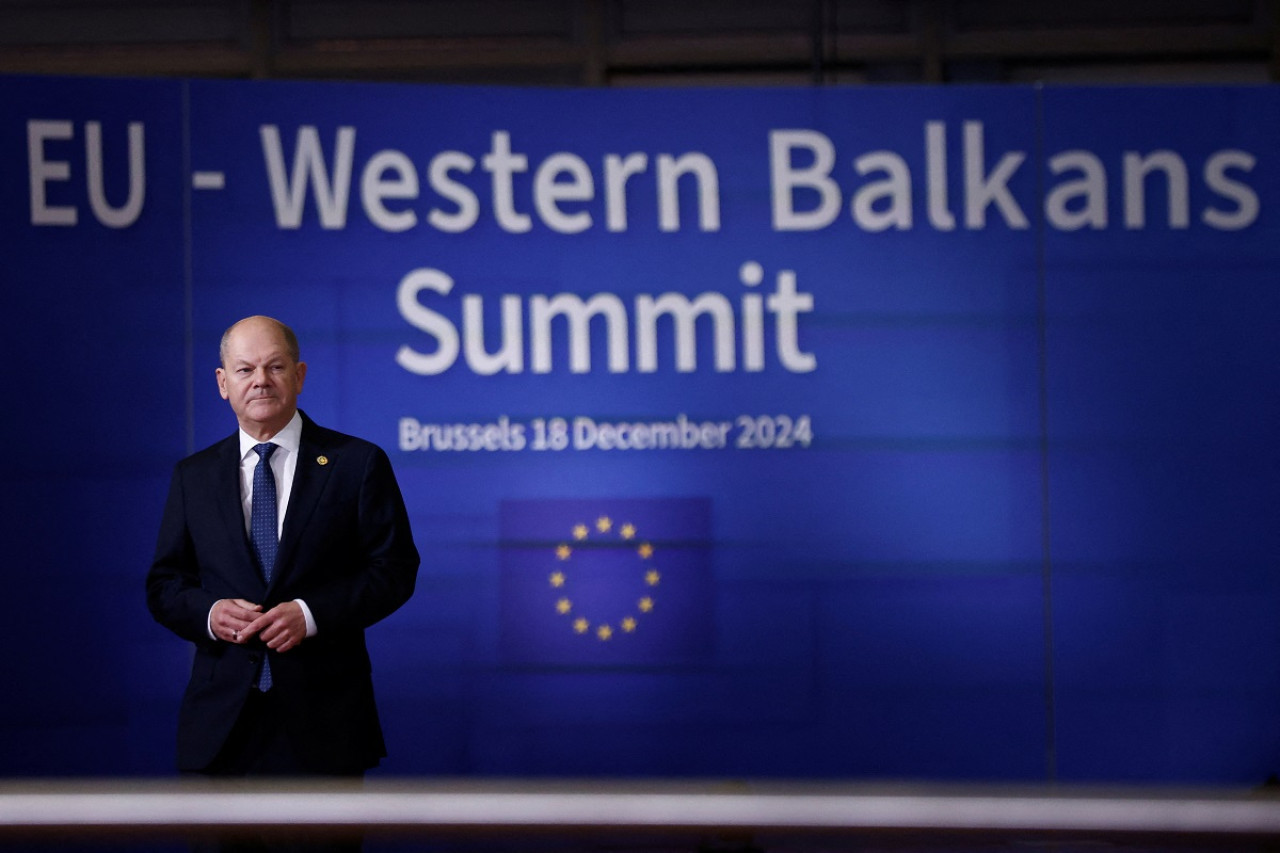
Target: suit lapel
x: 231, y: 509
x: 310, y: 477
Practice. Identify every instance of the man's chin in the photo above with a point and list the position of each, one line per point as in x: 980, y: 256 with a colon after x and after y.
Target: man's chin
x: 270, y: 418
x: 263, y: 410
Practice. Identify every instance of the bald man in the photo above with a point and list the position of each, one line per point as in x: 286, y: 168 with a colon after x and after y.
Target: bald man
x: 278, y: 547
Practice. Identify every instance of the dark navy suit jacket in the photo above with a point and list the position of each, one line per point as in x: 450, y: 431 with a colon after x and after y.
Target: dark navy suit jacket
x: 346, y: 550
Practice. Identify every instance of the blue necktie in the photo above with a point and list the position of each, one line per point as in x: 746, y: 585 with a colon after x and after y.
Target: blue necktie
x: 263, y: 529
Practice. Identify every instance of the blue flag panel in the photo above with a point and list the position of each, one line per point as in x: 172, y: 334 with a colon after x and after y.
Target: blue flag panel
x: 882, y: 432
x: 606, y: 581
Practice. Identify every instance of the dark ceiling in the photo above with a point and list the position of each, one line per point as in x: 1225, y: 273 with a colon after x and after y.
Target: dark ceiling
x: 650, y: 42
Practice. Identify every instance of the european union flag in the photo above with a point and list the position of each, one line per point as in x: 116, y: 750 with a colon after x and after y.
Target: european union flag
x: 604, y: 582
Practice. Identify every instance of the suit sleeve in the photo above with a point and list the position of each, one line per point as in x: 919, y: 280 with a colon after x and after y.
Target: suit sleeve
x: 387, y: 558
x: 175, y: 596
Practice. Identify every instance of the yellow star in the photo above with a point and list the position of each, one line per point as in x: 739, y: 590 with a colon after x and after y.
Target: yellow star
x: 646, y: 604
x: 628, y: 531
x: 604, y: 632
x: 645, y: 551
x: 604, y: 524
x: 581, y: 625
x: 651, y: 577
x: 563, y: 606
x: 629, y: 624
x: 579, y: 532
x: 557, y: 579
x: 563, y: 552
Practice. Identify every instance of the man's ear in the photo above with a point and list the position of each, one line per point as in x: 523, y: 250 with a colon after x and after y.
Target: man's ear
x: 222, y: 382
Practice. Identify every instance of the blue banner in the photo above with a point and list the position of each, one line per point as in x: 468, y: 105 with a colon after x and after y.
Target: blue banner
x: 884, y: 432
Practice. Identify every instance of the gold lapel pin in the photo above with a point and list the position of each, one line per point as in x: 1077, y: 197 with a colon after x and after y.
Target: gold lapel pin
x: 322, y: 460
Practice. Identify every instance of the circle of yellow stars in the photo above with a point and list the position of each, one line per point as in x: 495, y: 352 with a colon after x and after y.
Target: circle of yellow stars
x: 604, y: 631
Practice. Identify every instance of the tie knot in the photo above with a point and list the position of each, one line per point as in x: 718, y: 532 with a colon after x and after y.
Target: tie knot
x: 264, y: 450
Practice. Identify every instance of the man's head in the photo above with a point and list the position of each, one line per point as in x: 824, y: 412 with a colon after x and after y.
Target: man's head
x: 261, y: 375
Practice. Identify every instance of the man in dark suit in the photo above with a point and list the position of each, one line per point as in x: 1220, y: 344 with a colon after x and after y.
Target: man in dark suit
x: 275, y: 581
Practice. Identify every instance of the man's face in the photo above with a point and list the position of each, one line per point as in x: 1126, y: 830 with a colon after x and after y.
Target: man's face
x: 260, y: 379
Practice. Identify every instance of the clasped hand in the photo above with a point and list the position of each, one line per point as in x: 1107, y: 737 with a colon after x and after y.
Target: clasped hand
x: 238, y: 621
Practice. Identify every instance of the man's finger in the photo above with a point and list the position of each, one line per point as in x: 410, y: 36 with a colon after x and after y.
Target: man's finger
x: 237, y: 609
x: 276, y: 626
x: 287, y: 628
x: 253, y: 627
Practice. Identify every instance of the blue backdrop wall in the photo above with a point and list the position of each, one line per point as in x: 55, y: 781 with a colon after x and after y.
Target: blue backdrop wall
x: 915, y: 433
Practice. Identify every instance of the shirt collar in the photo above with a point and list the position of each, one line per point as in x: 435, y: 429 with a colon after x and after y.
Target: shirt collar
x: 289, y: 438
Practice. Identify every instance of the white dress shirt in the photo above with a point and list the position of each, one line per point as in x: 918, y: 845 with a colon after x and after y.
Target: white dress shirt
x: 283, y: 462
